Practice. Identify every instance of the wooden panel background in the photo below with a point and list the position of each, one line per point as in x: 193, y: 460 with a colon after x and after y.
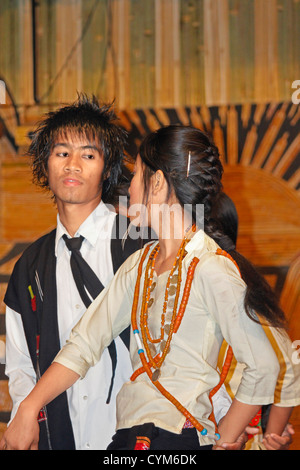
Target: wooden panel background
x: 226, y: 66
x: 143, y: 53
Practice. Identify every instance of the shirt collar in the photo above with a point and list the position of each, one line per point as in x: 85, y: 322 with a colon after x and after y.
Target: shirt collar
x: 89, y: 229
x: 201, y: 242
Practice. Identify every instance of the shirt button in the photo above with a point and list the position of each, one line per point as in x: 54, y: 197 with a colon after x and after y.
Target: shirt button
x: 87, y: 445
x: 77, y: 306
x: 85, y: 397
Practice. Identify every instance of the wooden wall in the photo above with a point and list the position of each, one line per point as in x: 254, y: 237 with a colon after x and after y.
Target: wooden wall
x: 143, y: 53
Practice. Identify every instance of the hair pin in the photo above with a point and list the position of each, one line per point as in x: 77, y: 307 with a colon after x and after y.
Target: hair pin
x: 188, y: 165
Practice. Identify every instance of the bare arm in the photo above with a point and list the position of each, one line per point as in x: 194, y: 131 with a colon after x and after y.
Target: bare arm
x: 23, y: 432
x: 236, y: 421
x: 278, y: 419
x: 240, y: 414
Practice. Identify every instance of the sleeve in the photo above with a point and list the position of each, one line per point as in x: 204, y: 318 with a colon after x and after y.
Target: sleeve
x: 287, y: 391
x: 19, y: 368
x: 11, y: 294
x: 223, y: 293
x: 108, y: 315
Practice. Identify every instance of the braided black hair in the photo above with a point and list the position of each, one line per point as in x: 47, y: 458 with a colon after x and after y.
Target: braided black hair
x: 168, y: 149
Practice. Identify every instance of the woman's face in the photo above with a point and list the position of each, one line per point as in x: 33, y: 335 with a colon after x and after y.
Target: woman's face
x: 136, y: 189
x: 137, y: 209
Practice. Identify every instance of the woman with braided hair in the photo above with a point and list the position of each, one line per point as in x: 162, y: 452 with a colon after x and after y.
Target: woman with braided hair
x: 183, y: 294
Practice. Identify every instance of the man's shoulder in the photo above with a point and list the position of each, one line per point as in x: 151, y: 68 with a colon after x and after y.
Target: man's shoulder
x: 22, y: 273
x: 35, y: 247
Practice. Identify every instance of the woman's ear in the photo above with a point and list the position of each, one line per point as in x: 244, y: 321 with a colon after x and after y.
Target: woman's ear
x: 157, y: 182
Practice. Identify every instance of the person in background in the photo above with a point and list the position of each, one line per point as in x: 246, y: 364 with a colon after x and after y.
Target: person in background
x: 225, y: 214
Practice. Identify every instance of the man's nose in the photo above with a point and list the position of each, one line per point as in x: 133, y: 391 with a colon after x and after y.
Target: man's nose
x: 73, y: 163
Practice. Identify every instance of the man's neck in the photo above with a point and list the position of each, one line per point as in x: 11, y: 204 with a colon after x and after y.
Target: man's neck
x: 73, y: 215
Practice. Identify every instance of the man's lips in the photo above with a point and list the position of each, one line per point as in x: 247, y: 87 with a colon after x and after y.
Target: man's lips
x: 71, y: 182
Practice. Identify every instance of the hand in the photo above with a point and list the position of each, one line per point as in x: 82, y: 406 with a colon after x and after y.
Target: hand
x: 276, y: 442
x: 241, y: 441
x: 22, y: 433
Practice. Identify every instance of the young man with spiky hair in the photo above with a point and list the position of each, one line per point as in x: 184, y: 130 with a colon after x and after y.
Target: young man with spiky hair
x: 77, y: 154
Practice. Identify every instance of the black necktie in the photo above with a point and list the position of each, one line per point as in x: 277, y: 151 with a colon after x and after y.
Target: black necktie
x: 84, y: 276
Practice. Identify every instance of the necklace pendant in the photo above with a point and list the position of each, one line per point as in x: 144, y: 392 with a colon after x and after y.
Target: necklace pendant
x: 153, y: 285
x: 169, y: 316
x: 163, y: 347
x: 167, y: 329
x: 155, y: 375
x: 172, y: 289
x: 174, y: 279
x: 152, y: 349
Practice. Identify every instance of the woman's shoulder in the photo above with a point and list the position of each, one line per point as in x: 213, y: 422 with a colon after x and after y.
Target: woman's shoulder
x: 215, y: 262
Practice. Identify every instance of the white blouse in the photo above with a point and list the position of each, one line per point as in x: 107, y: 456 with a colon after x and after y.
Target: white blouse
x: 215, y: 311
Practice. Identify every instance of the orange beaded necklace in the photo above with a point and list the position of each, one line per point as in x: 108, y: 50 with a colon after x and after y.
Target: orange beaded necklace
x: 156, y: 361
x: 148, y: 341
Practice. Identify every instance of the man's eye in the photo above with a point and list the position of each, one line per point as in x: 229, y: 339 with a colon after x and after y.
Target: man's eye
x: 62, y: 154
x: 88, y: 156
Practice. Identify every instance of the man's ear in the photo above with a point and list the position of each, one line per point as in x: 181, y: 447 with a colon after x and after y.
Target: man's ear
x: 105, y: 174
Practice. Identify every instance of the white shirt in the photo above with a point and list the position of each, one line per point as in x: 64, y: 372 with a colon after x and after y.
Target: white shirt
x: 2, y: 352
x: 215, y: 311
x: 92, y: 419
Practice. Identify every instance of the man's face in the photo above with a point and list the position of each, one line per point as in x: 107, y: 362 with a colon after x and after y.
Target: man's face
x: 75, y: 171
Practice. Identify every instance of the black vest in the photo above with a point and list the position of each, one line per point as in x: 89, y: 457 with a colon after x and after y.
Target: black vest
x: 39, y: 317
